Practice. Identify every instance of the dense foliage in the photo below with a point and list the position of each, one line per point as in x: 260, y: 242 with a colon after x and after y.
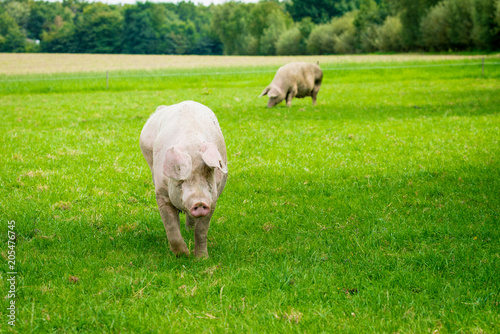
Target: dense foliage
x: 266, y: 28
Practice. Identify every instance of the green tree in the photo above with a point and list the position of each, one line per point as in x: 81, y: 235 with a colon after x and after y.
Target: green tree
x: 336, y: 37
x: 389, y: 35
x: 168, y: 29
x: 139, y: 35
x: 486, y: 31
x: 100, y: 29
x: 305, y: 26
x: 435, y: 28
x: 19, y: 11
x: 344, y: 30
x: 207, y: 45
x: 204, y: 40
x: 411, y: 13
x: 291, y: 43
x: 346, y: 6
x: 320, y: 11
x: 271, y: 35
x: 266, y: 23
x: 448, y: 25
x: 321, y: 40
x: 59, y: 37
x: 42, y: 14
x: 294, y: 40
x: 497, y: 13
x: 267, y: 27
x: 263, y: 15
x: 369, y: 16
x: 461, y: 24
x: 231, y: 25
x: 180, y: 36
x: 11, y: 37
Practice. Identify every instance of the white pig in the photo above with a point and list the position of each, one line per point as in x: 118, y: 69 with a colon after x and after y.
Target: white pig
x: 294, y: 80
x: 185, y: 150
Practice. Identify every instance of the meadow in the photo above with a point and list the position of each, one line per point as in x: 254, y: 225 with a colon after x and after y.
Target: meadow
x: 375, y: 211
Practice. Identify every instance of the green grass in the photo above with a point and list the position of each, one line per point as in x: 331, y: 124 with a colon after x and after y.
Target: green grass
x: 375, y: 211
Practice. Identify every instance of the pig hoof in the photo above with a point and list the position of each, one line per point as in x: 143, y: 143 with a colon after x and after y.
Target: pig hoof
x: 201, y: 254
x: 181, y: 254
x: 180, y: 249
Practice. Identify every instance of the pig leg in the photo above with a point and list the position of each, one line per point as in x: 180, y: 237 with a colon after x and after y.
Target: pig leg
x: 222, y: 183
x: 291, y: 94
x: 189, y: 222
x: 147, y: 152
x: 315, y: 94
x: 170, y: 217
x: 200, y: 235
x: 317, y: 86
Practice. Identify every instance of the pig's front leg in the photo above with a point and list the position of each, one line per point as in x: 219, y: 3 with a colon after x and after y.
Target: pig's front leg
x: 290, y: 96
x: 170, y: 217
x: 200, y: 235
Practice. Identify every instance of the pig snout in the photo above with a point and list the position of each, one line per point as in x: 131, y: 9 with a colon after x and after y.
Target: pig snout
x: 200, y: 209
x: 197, y: 199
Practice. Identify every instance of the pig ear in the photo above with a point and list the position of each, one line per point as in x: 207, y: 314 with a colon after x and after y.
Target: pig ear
x: 274, y: 92
x: 264, y: 92
x: 177, y: 164
x: 213, y: 159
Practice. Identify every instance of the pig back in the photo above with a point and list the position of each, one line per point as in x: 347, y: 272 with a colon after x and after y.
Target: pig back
x: 301, y: 75
x: 187, y: 122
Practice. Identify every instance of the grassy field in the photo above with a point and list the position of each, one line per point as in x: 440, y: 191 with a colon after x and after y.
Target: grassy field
x: 376, y: 211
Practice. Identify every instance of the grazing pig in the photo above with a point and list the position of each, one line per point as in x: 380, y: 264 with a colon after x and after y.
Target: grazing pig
x: 294, y: 80
x: 185, y: 150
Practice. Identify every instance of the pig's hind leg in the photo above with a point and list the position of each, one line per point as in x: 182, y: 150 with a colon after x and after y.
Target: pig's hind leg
x: 314, y: 94
x: 189, y: 222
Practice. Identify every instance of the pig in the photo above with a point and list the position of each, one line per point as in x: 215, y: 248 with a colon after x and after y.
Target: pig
x: 294, y: 80
x: 185, y: 150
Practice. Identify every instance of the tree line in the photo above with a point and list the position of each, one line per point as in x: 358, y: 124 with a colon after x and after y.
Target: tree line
x: 290, y: 27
